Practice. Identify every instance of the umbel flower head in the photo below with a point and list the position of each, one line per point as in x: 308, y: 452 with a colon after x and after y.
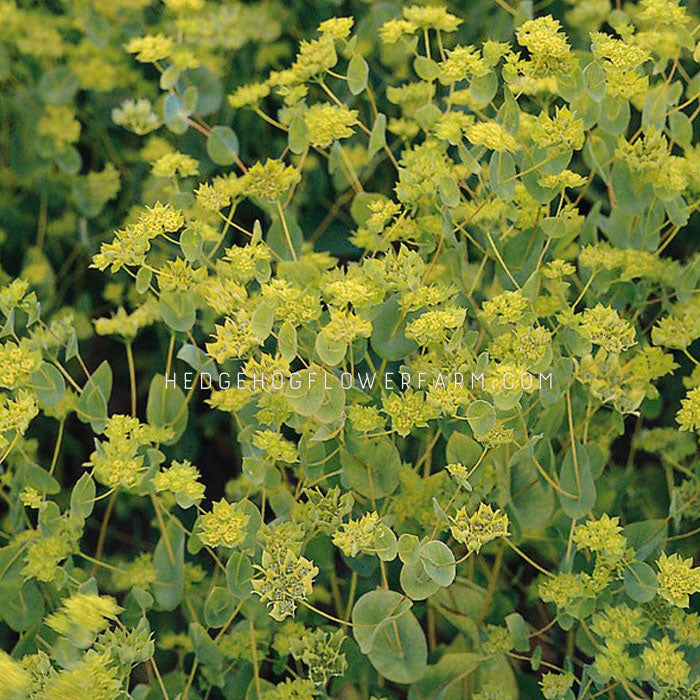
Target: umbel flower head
x: 603, y: 536
x: 224, y: 525
x: 479, y: 528
x: 182, y: 480
x: 320, y: 651
x: 270, y: 180
x: 357, y: 536
x: 82, y: 616
x: 286, y: 579
x: 327, y: 123
x: 678, y: 579
x: 16, y: 680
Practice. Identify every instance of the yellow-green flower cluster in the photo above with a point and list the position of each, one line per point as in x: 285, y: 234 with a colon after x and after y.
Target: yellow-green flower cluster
x: 479, y: 528
x: 603, y: 536
x: 285, y: 580
x: 118, y: 459
x: 357, y: 536
x: 326, y: 123
x: 603, y: 326
x: 275, y: 446
x: 678, y: 579
x: 182, y: 480
x: 436, y: 326
x: 175, y: 164
x: 82, y: 616
x: 225, y: 524
x: 151, y: 48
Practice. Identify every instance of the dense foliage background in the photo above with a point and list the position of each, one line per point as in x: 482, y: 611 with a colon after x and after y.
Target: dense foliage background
x: 476, y: 189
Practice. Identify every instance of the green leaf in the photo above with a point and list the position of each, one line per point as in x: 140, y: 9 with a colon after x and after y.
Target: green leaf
x: 169, y: 77
x: 191, y: 244
x: 655, y: 107
x: 448, y: 190
x: 647, y: 537
x: 400, y: 652
x: 306, y: 394
x: 169, y: 563
x: 205, y: 650
x: 631, y: 193
x: 445, y: 678
x: 483, y: 88
x: 277, y: 240
x: 438, y: 561
x: 298, y: 136
x: 174, y: 114
x: 519, y: 631
x: 614, y: 115
x: 22, y: 605
x: 464, y: 449
x: 408, y: 548
x: 48, y: 383
x: 166, y: 407
x: 198, y: 360
x: 373, y: 469
x: 92, y: 403
x: 385, y: 543
x: 239, y: 574
x: 594, y: 81
x: 209, y: 92
x: 178, y: 310
x: 69, y: 160
x: 426, y: 68
x: 581, y: 500
x: 222, y: 145
x: 502, y: 175
x: 143, y: 280
x: 358, y: 72
x: 481, y: 416
x: 415, y: 581
x: 640, y: 581
x: 553, y: 227
x: 58, y: 85
x: 218, y: 607
x: 681, y: 128
x: 374, y: 609
x: 38, y: 478
x: 388, y: 332
x: 330, y: 352
x: 287, y: 341
x: 82, y: 497
x: 377, y: 137
x: 263, y: 320
x: 570, y: 85
x: 677, y: 210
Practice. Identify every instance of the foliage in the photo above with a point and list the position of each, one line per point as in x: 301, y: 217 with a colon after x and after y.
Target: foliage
x: 349, y: 354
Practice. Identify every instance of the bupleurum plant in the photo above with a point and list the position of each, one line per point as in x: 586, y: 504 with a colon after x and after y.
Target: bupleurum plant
x: 349, y: 352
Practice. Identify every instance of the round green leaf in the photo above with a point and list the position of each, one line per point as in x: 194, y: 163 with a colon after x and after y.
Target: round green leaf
x: 239, y: 573
x: 48, y: 383
x: 222, y: 145
x: 178, y: 310
x: 58, y: 85
x: 373, y: 469
x: 388, y: 332
x: 219, y: 606
x: 581, y: 499
x: 415, y: 581
x: 438, y: 562
x: 358, y: 72
x: 640, y: 581
x: 481, y: 416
